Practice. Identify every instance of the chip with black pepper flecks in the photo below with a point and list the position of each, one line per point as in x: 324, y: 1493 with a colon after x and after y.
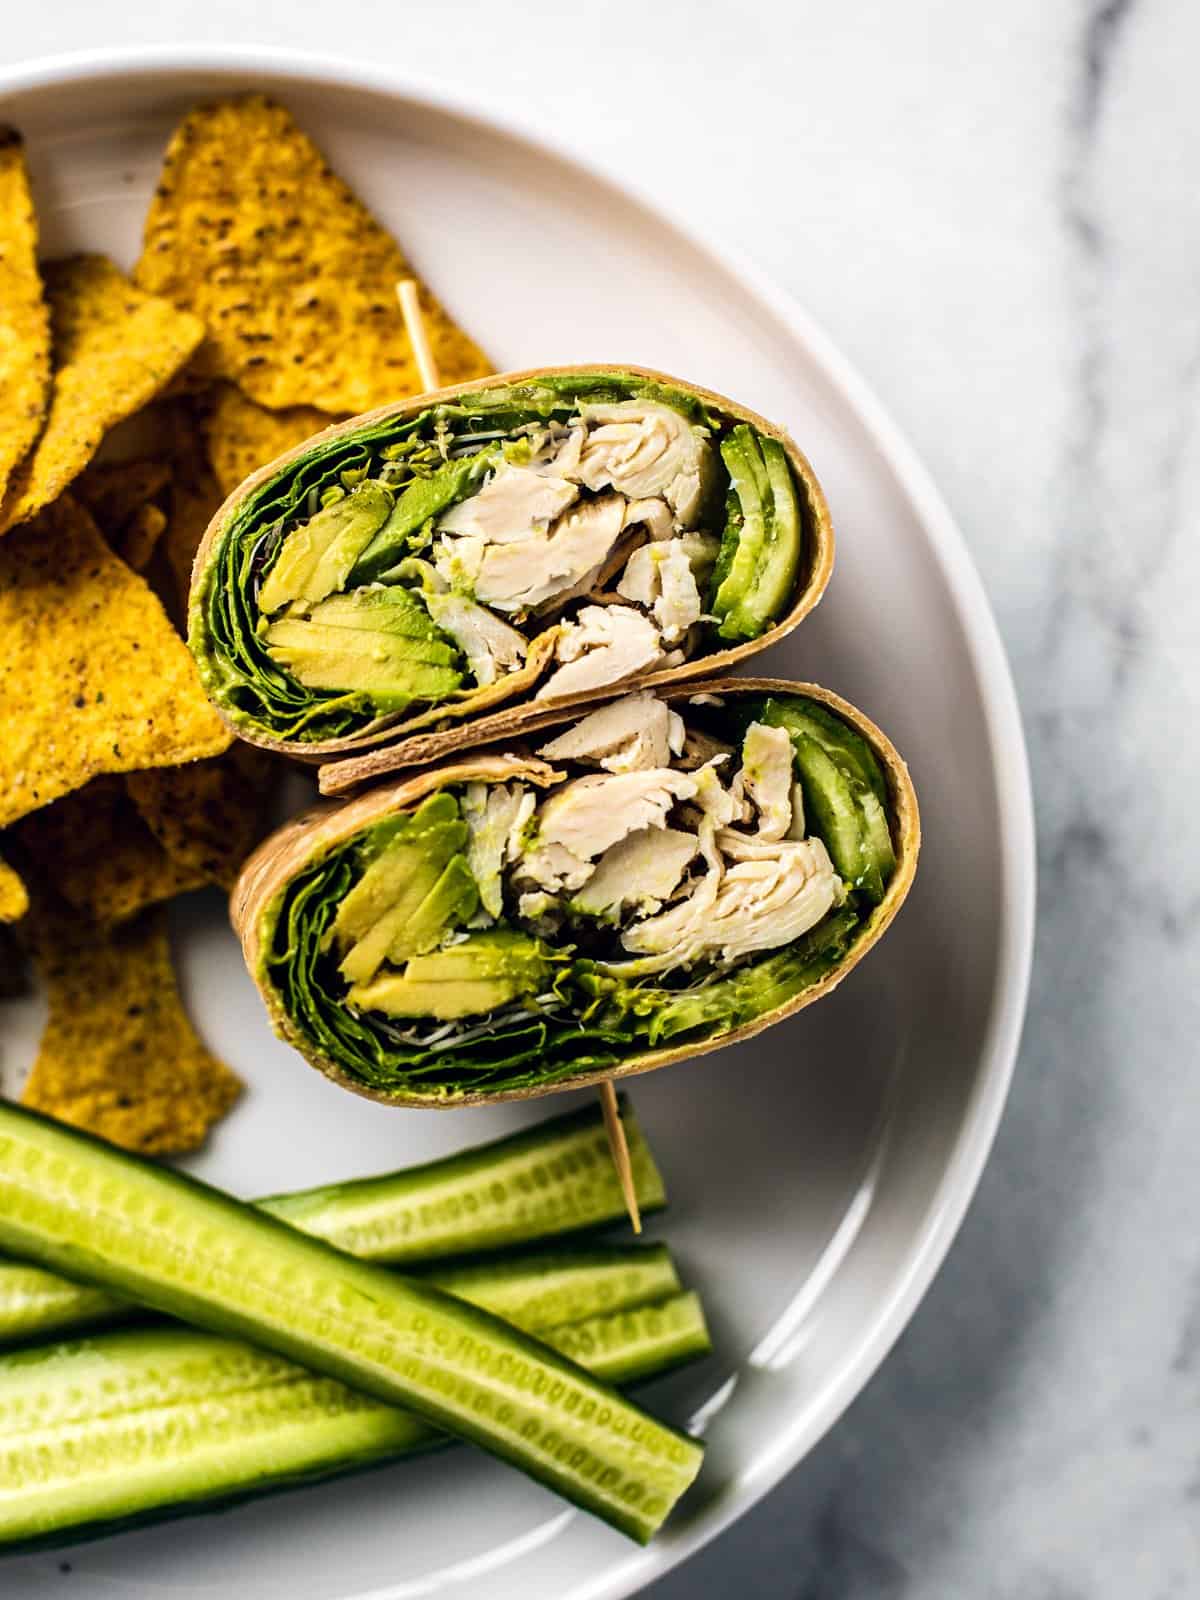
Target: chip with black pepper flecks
x: 119, y: 1055
x: 293, y: 277
x: 93, y: 677
x: 113, y: 348
x: 24, y: 319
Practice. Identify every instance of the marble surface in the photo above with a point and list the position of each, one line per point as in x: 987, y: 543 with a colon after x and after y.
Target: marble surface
x: 993, y: 210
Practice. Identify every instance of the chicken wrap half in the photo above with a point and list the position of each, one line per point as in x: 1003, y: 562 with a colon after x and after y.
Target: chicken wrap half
x: 530, y: 538
x: 671, y: 872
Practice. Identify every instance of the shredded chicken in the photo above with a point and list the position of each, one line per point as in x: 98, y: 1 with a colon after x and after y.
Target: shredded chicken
x: 654, y: 515
x: 517, y: 576
x: 534, y: 904
x: 701, y: 550
x: 553, y: 868
x: 593, y: 584
x: 758, y: 904
x: 644, y: 449
x: 495, y: 815
x: 643, y: 870
x: 602, y: 645
x: 627, y: 735
x: 715, y: 802
x: 796, y: 827
x: 490, y: 645
x: 513, y: 504
x: 639, y: 582
x: 589, y: 815
x: 765, y: 778
x: 457, y: 562
x: 659, y: 576
x: 694, y: 868
x: 557, y: 452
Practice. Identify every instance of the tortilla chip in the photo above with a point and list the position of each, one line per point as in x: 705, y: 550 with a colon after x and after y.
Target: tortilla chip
x: 93, y: 678
x: 191, y: 514
x: 114, y: 491
x: 100, y: 856
x: 120, y: 496
x: 119, y: 1055
x: 207, y: 816
x: 195, y: 498
x: 14, y: 898
x: 114, y: 347
x: 242, y: 436
x: 293, y: 277
x: 24, y: 319
x: 139, y: 538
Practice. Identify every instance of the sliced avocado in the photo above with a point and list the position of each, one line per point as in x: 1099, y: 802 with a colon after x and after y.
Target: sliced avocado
x: 316, y: 557
x: 393, y: 888
x: 829, y: 805
x: 392, y: 610
x: 498, y: 953
x: 420, y: 500
x: 467, y: 979
x: 451, y: 901
x: 384, y: 666
x: 301, y: 633
x: 437, y: 811
x: 397, y: 995
x: 751, y: 488
x: 388, y: 683
x: 431, y: 834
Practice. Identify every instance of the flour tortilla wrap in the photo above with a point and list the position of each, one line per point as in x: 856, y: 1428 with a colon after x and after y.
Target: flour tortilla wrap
x: 612, y: 1040
x: 336, y: 596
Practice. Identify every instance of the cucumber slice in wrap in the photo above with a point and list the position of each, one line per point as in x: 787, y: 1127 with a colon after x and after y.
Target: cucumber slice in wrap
x: 377, y: 501
x: 536, y: 989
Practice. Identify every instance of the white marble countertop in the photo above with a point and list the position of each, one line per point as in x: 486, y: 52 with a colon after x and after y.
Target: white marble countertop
x: 993, y: 210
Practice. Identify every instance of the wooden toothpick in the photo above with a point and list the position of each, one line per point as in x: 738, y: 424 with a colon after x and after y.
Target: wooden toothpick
x: 414, y: 323
x: 418, y: 337
x: 619, y: 1150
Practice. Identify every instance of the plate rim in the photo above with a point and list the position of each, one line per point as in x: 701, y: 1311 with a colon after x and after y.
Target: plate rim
x: 1001, y: 1039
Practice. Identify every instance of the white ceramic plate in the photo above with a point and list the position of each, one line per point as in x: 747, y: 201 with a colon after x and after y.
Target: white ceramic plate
x: 819, y: 1172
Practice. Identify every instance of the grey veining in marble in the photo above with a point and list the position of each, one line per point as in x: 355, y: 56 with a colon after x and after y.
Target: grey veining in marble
x: 996, y: 212
x: 1037, y: 1432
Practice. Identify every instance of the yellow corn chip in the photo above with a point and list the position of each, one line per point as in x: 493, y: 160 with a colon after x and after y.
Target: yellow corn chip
x: 138, y: 539
x: 120, y: 496
x: 14, y: 900
x: 207, y: 816
x: 242, y: 436
x: 291, y: 274
x: 191, y: 512
x: 100, y: 857
x: 113, y: 348
x: 93, y: 678
x: 24, y: 320
x: 119, y: 1056
x: 194, y: 499
x: 114, y: 491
